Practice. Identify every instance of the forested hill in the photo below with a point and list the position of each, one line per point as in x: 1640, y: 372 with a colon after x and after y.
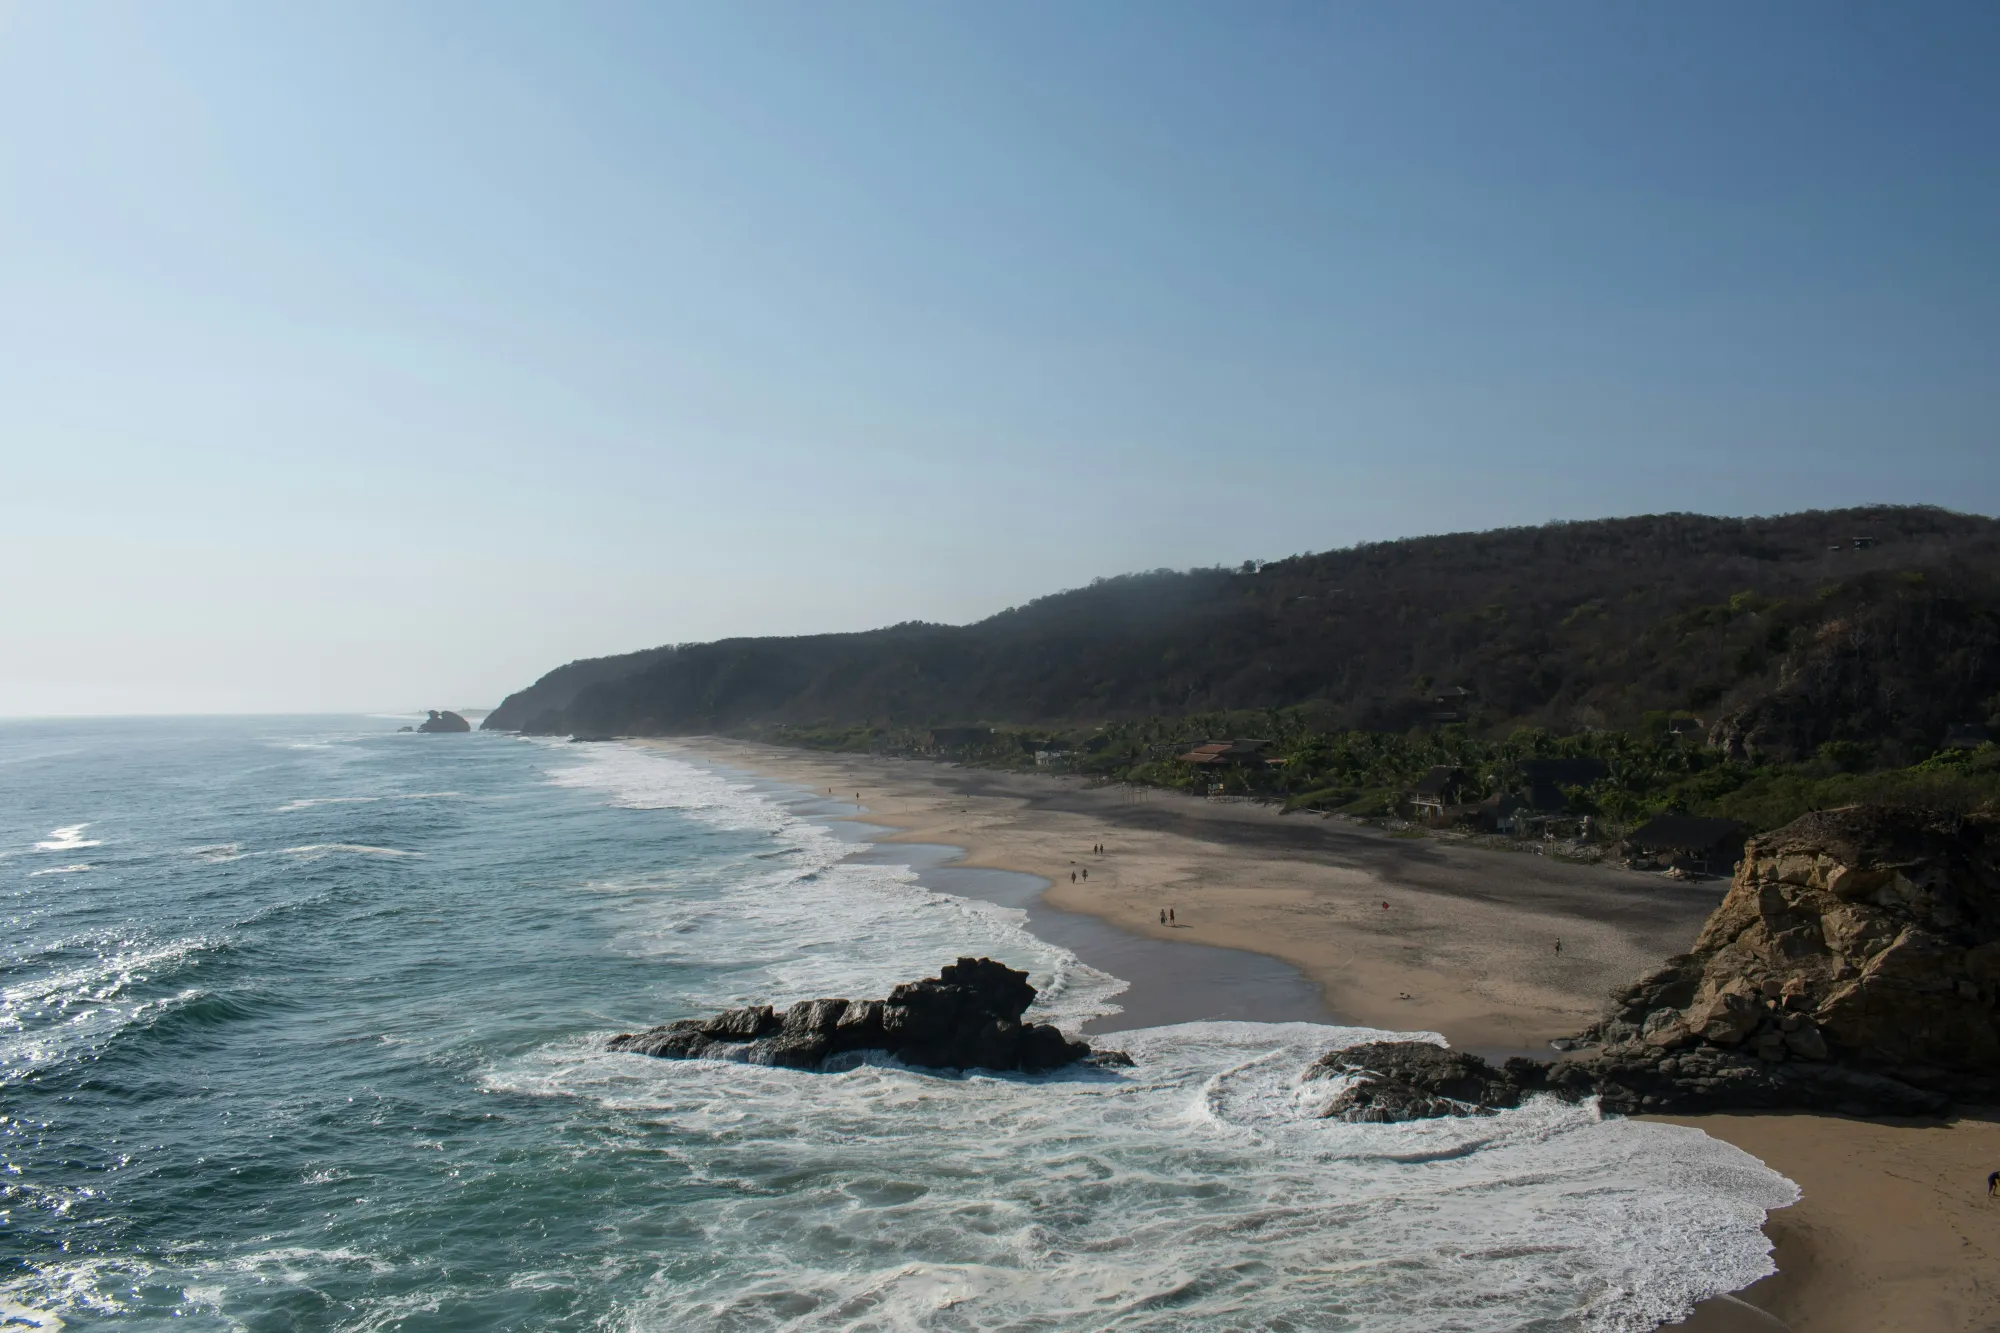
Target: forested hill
x: 1779, y: 634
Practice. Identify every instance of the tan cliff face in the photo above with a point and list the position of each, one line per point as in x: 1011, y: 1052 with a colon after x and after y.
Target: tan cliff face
x: 1867, y: 936
x: 1854, y: 966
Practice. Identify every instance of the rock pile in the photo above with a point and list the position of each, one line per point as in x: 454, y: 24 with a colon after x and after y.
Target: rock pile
x: 1413, y: 1080
x: 966, y: 1017
x: 1853, y: 967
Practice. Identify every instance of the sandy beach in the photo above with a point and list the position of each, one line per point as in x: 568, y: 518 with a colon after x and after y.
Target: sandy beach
x: 1466, y: 944
x: 1894, y: 1229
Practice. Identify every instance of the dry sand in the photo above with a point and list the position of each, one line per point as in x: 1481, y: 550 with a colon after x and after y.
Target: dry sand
x: 1894, y: 1230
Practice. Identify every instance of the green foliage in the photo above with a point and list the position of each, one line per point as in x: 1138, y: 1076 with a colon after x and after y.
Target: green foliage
x: 1561, y: 626
x: 1369, y: 774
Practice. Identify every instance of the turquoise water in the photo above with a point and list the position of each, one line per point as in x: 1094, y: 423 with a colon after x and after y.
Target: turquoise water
x: 303, y: 1029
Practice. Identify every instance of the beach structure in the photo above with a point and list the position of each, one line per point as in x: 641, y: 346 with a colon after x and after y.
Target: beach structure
x: 1688, y: 842
x: 1229, y: 754
x: 1438, y: 790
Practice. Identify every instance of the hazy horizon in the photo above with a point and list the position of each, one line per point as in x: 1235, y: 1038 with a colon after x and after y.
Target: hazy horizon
x: 364, y: 357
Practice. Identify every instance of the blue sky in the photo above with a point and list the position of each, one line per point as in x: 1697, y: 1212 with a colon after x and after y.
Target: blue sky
x: 370, y: 355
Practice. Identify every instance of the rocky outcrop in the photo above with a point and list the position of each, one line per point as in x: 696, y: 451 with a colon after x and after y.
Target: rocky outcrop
x: 1414, y: 1080
x: 445, y: 721
x: 1854, y: 966
x: 966, y: 1017
x: 1855, y: 961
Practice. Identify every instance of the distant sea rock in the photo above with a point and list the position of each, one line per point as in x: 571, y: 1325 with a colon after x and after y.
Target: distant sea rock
x: 445, y: 722
x: 966, y: 1017
x: 1853, y: 967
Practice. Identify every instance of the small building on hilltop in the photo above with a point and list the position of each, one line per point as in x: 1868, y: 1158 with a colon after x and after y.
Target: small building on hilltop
x: 1688, y: 842
x: 1454, y: 703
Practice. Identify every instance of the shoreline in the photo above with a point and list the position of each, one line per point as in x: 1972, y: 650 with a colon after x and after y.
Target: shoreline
x: 1167, y: 981
x: 1892, y: 1229
x: 1465, y: 946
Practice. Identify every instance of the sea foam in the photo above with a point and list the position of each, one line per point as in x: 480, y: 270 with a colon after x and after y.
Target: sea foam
x: 1197, y: 1190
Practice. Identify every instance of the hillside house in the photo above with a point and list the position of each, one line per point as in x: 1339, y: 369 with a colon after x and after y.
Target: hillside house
x: 1453, y: 704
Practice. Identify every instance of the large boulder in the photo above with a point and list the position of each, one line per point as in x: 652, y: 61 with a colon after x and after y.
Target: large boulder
x: 1855, y: 960
x: 1414, y: 1080
x: 969, y: 1016
x: 1854, y: 966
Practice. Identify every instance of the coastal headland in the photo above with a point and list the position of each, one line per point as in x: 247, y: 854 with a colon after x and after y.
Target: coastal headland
x: 1894, y: 1229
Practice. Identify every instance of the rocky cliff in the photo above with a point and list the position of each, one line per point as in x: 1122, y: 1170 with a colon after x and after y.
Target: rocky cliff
x: 1854, y: 966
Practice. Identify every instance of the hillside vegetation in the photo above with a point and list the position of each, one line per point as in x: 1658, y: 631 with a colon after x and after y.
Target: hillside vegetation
x: 1780, y: 635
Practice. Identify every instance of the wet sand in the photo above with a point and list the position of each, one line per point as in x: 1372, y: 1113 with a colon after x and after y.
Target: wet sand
x: 1894, y: 1230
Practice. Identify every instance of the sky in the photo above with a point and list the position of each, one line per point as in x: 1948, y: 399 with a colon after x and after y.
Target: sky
x: 369, y: 356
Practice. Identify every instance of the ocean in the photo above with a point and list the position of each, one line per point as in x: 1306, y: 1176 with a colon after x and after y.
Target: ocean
x: 303, y: 1027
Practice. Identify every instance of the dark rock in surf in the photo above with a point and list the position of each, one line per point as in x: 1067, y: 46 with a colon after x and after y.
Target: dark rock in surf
x: 446, y: 721
x: 966, y: 1017
x: 1414, y: 1080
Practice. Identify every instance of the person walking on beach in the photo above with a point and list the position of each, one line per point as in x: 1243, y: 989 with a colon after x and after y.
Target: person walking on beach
x: 1170, y: 916
x: 1072, y: 877
x: 1559, y: 944
x: 1086, y: 872
x: 1993, y: 1184
x: 1163, y: 921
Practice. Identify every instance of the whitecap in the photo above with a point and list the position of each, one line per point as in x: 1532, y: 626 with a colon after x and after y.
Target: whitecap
x: 1196, y: 1190
x: 68, y: 838
x: 800, y: 919
x: 21, y: 1316
x: 315, y: 850
x: 308, y: 802
x: 1199, y: 1190
x: 78, y: 868
x: 68, y: 1007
